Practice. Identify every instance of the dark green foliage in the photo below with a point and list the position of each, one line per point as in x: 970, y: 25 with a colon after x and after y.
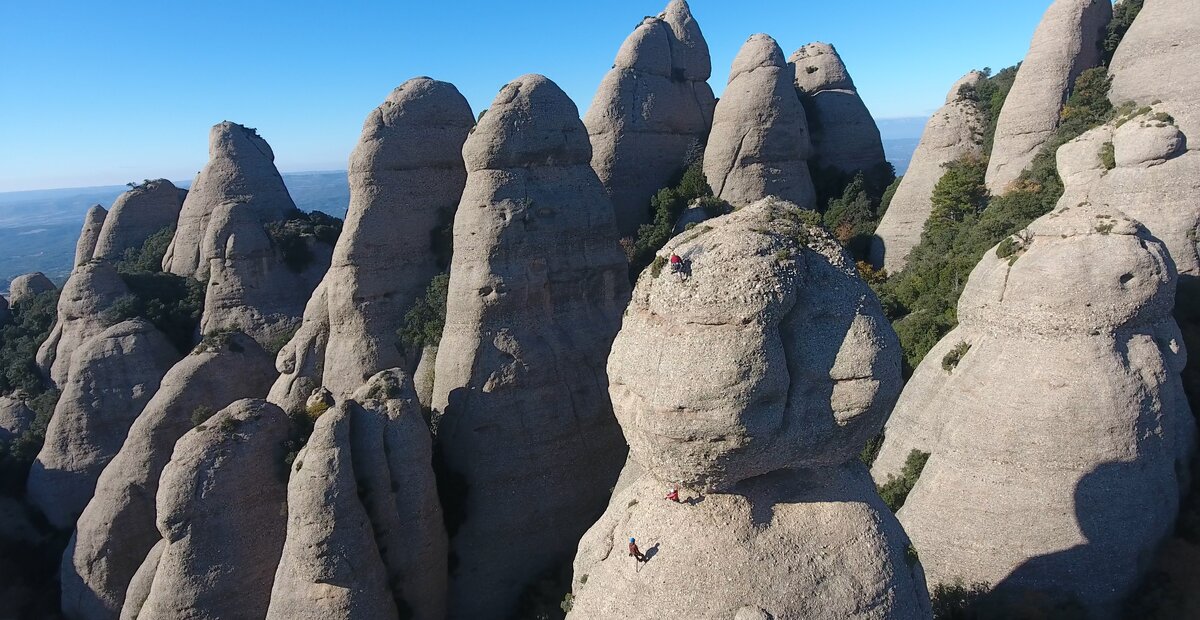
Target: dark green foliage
x: 957, y: 601
x: 896, y: 490
x: 871, y: 451
x: 548, y: 597
x: 423, y: 322
x: 922, y: 300
x: 886, y: 200
x: 854, y: 204
x: 20, y: 454
x: 666, y: 206
x: 961, y: 192
x: 149, y: 257
x: 441, y: 238
x: 279, y: 340
x: 292, y: 235
x: 201, y: 414
x: 1122, y: 19
x: 19, y: 341
x: 171, y: 303
x: 950, y: 360
x: 990, y: 95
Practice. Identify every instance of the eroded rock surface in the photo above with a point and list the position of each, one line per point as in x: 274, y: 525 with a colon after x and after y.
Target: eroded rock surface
x: 651, y: 113
x: 406, y: 178
x: 112, y: 376
x: 28, y: 286
x: 222, y: 514
x: 365, y: 536
x: 953, y: 132
x: 93, y: 222
x: 535, y: 296
x: 1066, y: 43
x: 91, y: 289
x: 15, y: 418
x: 760, y: 145
x: 1058, y: 480
x: 137, y: 214
x: 117, y: 529
x: 754, y: 382
x: 844, y: 135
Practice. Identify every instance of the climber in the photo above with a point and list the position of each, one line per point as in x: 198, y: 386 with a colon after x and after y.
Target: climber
x: 635, y: 552
x: 677, y: 267
x: 673, y: 494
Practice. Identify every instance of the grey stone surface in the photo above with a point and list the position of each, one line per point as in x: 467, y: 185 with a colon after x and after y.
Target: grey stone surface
x: 113, y: 375
x: 844, y: 135
x: 117, y: 529
x: 1156, y: 61
x: 651, y: 113
x: 406, y: 178
x: 760, y: 144
x: 87, y: 293
x: 137, y: 214
x: 754, y: 382
x: 953, y: 132
x: 536, y: 291
x: 15, y: 418
x: 1066, y: 43
x: 28, y: 286
x: 240, y: 169
x: 222, y: 513
x: 1057, y: 438
x: 93, y: 222
x: 365, y: 534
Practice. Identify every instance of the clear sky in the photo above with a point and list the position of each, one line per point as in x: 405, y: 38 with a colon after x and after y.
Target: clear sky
x: 100, y: 93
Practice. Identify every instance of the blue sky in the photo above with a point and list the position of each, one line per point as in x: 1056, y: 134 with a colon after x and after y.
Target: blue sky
x: 97, y: 93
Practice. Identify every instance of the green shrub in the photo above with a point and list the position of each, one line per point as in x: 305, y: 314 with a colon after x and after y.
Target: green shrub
x: 149, y: 257
x: 1108, y: 155
x: 291, y: 236
x: 29, y: 326
x: 656, y: 266
x: 201, y: 414
x: 896, y: 490
x: 1122, y: 19
x: 954, y: 356
x: 960, y: 192
x: 957, y: 601
x: 666, y: 207
x: 990, y: 94
x: 423, y: 323
x: 280, y: 340
x: 171, y: 303
x: 871, y: 451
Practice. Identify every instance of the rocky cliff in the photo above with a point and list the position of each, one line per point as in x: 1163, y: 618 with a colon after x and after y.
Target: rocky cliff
x: 28, y: 286
x: 365, y: 537
x: 844, y: 136
x: 117, y: 529
x: 1067, y: 43
x: 1058, y: 480
x: 93, y: 222
x: 406, y: 178
x: 754, y: 382
x: 760, y: 144
x: 137, y: 214
x: 536, y: 290
x: 222, y: 512
x: 652, y: 112
x: 112, y: 376
x: 953, y: 132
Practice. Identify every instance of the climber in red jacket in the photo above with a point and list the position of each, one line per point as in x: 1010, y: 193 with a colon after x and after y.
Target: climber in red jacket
x: 635, y: 552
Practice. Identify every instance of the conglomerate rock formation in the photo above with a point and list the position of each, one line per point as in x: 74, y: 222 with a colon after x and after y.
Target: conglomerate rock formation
x: 759, y: 145
x: 28, y: 286
x: 222, y: 514
x: 1067, y: 43
x: 137, y: 214
x: 844, y: 135
x: 1059, y: 422
x: 117, y: 529
x: 240, y: 169
x: 536, y: 289
x: 365, y: 537
x: 953, y: 132
x: 85, y: 246
x: 651, y: 113
x: 406, y: 178
x: 91, y: 289
x: 755, y: 381
x: 112, y: 376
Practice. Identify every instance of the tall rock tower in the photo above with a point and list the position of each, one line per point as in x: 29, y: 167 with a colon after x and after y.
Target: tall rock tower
x: 537, y: 285
x: 651, y: 113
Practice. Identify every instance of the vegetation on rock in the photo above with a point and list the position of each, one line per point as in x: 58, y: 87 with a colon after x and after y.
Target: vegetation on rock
x: 291, y: 236
x: 896, y: 490
x: 667, y: 205
x: 423, y: 323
